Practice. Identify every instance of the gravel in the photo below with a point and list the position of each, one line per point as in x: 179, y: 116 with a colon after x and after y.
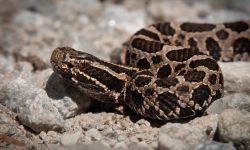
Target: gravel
x: 40, y: 111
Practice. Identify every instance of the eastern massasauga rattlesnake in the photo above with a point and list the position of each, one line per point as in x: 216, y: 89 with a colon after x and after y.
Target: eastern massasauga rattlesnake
x: 170, y: 69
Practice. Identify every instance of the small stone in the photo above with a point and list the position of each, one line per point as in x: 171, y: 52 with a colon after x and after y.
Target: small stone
x: 121, y: 145
x: 70, y: 138
x: 93, y: 135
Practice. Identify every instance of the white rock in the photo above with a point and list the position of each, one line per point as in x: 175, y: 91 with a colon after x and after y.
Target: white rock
x: 236, y: 76
x: 70, y: 138
x: 188, y: 135
x: 234, y: 126
x: 239, y: 101
x: 93, y: 134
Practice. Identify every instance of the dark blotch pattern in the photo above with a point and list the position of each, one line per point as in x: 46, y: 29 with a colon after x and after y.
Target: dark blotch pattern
x: 201, y: 94
x: 179, y: 67
x: 183, y: 89
x: 221, y: 81
x: 147, y: 46
x: 164, y: 71
x: 137, y: 100
x: 165, y: 28
x: 213, y: 48
x: 167, y: 101
x: 156, y: 59
x: 186, y: 112
x: 149, y: 92
x: 180, y: 40
x: 222, y: 34
x: 148, y: 34
x: 167, y: 41
x: 197, y: 27
x: 182, y: 73
x: 192, y: 43
x: 194, y: 76
x: 241, y: 46
x: 208, y: 62
x: 166, y: 83
x: 127, y: 59
x: 212, y: 78
x: 133, y: 56
x: 181, y: 54
x: 142, y: 81
x: 217, y: 95
x: 237, y: 26
x: 143, y: 64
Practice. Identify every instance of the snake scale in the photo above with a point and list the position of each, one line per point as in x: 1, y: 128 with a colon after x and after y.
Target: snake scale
x: 170, y: 69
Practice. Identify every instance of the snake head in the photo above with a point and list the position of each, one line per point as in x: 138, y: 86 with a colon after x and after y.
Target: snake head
x: 89, y: 74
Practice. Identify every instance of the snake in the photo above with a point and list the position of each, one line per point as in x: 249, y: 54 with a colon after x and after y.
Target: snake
x: 170, y: 69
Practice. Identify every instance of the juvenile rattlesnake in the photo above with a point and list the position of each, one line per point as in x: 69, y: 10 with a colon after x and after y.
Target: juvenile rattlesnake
x: 170, y: 70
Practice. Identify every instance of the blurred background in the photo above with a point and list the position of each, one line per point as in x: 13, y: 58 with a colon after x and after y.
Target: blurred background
x: 36, y: 27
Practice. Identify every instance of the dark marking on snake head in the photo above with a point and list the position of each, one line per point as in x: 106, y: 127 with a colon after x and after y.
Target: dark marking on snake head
x: 194, y: 76
x: 141, y: 81
x: 222, y: 34
x: 147, y: 46
x: 148, y: 34
x: 197, y: 27
x: 239, y: 26
x: 164, y: 71
x: 166, y: 83
x: 213, y: 48
x: 208, y: 62
x: 143, y: 64
x: 156, y: 59
x: 212, y: 79
x: 165, y: 28
x: 104, y: 77
x: 241, y: 45
x: 201, y: 94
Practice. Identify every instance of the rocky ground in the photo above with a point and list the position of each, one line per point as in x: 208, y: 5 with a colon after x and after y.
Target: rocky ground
x: 38, y: 111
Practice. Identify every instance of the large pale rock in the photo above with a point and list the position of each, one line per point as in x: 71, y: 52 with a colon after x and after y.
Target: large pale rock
x: 178, y: 136
x: 212, y: 145
x: 239, y: 101
x: 236, y: 76
x: 36, y: 108
x: 234, y: 126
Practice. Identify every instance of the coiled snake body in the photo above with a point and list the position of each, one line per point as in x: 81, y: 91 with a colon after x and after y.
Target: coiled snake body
x: 170, y: 69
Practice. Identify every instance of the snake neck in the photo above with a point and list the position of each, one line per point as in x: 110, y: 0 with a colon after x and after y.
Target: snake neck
x: 96, y: 78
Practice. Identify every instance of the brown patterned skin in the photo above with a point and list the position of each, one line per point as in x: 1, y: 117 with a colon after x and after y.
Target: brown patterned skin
x: 170, y: 70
